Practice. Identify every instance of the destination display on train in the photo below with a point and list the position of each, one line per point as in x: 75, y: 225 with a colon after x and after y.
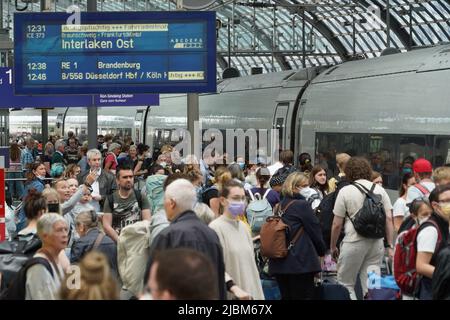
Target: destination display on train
x: 136, y: 52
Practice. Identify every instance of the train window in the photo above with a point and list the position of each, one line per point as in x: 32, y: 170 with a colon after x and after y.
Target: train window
x: 386, y: 153
x: 139, y: 115
x: 413, y: 146
x: 279, y: 121
x: 441, y: 151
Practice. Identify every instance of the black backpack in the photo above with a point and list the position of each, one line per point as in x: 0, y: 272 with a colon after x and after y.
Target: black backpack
x: 370, y: 220
x: 17, y: 288
x: 204, y: 193
x: 325, y: 213
x: 13, y: 256
x: 282, y: 174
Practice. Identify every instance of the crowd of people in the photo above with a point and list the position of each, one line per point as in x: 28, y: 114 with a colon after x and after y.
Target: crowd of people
x: 140, y: 225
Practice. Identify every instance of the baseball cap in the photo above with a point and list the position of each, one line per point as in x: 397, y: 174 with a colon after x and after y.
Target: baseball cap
x: 422, y: 165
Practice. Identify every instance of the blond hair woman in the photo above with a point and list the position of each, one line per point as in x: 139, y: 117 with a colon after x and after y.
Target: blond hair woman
x: 295, y: 273
x: 96, y: 281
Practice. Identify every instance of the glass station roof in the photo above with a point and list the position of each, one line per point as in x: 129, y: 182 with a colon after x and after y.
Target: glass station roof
x: 290, y: 34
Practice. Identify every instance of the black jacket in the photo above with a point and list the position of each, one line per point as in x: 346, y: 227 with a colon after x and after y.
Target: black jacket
x: 441, y: 276
x: 83, y: 245
x: 106, y: 183
x: 188, y: 231
x: 304, y: 256
x: 425, y: 289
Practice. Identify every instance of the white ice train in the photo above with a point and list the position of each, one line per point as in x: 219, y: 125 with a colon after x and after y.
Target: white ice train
x: 385, y: 108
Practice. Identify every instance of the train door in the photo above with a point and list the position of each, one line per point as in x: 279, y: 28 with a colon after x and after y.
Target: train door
x: 279, y: 123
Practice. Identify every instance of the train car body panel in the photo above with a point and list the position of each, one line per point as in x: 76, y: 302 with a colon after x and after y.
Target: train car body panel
x: 400, y: 108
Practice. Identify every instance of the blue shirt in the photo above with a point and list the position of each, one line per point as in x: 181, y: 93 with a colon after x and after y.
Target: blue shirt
x: 26, y: 158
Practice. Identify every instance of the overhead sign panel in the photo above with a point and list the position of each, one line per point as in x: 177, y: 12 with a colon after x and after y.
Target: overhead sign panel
x: 138, y: 52
x: 10, y: 100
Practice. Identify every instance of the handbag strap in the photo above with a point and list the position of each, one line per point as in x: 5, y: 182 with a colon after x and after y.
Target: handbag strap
x: 52, y: 261
x: 278, y: 208
x: 299, y: 232
x: 266, y: 193
x: 97, y: 242
x: 250, y: 193
x: 361, y: 188
x: 296, y: 237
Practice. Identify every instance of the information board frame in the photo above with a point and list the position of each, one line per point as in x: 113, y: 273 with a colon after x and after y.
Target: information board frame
x: 207, y: 85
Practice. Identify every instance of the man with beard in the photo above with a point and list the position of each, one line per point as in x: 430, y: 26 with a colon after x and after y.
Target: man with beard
x: 125, y: 206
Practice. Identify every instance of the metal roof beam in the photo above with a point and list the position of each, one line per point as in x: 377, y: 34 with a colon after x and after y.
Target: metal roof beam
x: 320, y: 27
x: 221, y: 61
x: 262, y: 37
x: 395, y: 27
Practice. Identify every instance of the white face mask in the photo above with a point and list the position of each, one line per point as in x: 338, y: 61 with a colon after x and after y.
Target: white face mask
x: 41, y: 177
x: 307, y: 192
x: 420, y: 220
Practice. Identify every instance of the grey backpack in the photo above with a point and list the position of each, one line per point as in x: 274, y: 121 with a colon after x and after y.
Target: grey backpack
x: 258, y: 210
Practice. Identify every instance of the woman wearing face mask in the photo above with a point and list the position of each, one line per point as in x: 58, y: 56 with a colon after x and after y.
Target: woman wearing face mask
x: 241, y: 276
x: 311, y: 195
x: 419, y: 211
x: 35, y: 180
x: 432, y: 237
x: 295, y: 273
x: 52, y: 197
x: 400, y: 210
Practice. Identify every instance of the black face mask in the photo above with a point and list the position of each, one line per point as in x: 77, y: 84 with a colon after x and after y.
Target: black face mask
x: 53, y: 207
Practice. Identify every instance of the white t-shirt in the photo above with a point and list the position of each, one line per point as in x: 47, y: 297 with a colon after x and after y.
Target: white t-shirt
x: 400, y: 209
x: 414, y: 193
x: 95, y: 186
x: 351, y: 200
x: 273, y: 168
x: 427, y: 239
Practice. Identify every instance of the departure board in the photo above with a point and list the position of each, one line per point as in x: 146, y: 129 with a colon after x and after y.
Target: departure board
x: 111, y: 52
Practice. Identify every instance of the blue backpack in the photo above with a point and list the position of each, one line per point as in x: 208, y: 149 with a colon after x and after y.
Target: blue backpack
x: 258, y: 210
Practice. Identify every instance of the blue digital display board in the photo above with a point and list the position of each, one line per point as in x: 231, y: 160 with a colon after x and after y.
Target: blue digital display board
x: 10, y: 100
x: 130, y: 52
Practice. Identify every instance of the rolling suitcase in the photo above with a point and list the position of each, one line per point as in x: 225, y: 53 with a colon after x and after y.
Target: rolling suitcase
x: 327, y: 288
